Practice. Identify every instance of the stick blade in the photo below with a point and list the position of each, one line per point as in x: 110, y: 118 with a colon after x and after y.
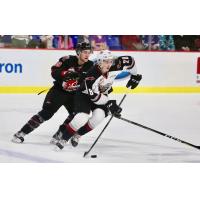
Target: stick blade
x: 85, y: 154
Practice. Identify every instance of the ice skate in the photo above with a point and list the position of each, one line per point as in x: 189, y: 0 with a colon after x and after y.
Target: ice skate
x: 75, y: 140
x: 56, y: 137
x: 60, y: 144
x: 18, y: 137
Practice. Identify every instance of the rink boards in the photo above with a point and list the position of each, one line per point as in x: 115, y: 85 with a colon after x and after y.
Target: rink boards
x: 28, y: 71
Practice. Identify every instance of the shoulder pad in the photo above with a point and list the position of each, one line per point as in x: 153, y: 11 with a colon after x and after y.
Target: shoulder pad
x: 64, y: 58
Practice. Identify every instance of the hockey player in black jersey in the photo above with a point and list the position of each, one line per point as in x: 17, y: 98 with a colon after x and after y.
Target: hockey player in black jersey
x: 94, y: 97
x: 67, y: 73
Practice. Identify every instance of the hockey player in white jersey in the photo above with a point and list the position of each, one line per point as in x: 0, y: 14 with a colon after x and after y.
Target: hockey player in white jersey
x: 94, y: 97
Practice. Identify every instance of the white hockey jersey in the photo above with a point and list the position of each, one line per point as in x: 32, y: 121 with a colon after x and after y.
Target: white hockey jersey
x: 101, y: 84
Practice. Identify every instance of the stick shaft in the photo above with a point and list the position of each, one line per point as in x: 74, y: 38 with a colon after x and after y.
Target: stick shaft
x: 160, y: 133
x: 87, y: 152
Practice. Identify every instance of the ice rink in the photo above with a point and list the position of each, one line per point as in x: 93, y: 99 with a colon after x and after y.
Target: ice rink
x: 174, y: 114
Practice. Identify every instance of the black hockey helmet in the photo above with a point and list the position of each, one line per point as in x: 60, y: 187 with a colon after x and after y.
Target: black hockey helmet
x: 83, y: 46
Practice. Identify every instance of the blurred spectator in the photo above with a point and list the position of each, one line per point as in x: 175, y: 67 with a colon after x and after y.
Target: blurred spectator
x: 167, y: 43
x: 56, y: 42
x: 41, y: 41
x: 197, y: 43
x: 47, y: 41
x: 20, y: 41
x: 5, y: 41
x: 98, y: 42
x: 72, y: 40
x: 131, y: 42
x: 151, y: 42
x: 113, y: 42
x: 64, y: 42
x: 83, y: 38
x: 1, y: 43
x: 35, y: 41
x: 68, y: 42
x: 184, y: 42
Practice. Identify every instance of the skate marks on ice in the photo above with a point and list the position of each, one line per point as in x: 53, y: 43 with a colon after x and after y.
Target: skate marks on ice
x: 138, y: 146
x: 113, y: 150
x: 14, y: 155
x: 36, y: 149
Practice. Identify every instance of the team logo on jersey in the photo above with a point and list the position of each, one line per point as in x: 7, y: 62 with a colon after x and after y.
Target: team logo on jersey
x: 70, y: 85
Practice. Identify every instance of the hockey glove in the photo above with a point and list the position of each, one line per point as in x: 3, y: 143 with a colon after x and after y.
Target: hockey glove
x: 134, y: 81
x: 114, y: 108
x: 71, y: 75
x: 71, y: 81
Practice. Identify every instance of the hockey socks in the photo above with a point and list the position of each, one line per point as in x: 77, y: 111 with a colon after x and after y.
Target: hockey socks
x: 85, y: 129
x: 32, y: 124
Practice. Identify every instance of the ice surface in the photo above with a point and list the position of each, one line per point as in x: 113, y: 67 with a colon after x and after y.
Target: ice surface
x: 174, y: 114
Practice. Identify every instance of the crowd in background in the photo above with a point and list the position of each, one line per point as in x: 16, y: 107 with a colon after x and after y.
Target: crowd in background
x: 100, y: 42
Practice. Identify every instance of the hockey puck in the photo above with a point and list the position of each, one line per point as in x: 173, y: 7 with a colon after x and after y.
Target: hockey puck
x: 93, y: 156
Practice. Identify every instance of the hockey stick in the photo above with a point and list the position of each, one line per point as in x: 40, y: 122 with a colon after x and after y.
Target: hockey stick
x: 160, y: 133
x: 87, y: 152
x: 42, y: 91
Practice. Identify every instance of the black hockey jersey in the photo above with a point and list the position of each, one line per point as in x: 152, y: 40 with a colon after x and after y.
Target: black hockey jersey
x: 65, y: 64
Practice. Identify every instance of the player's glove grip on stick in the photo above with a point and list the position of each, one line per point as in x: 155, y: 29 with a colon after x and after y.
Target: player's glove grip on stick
x: 134, y: 81
x: 114, y: 108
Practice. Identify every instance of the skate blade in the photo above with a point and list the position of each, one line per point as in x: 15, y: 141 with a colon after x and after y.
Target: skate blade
x: 57, y: 149
x: 54, y: 142
x: 16, y: 141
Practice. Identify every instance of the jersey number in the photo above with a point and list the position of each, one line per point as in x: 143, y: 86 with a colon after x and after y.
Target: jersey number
x: 125, y: 60
x: 91, y: 93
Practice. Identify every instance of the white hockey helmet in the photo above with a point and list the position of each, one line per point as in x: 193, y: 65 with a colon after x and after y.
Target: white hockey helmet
x: 104, y: 55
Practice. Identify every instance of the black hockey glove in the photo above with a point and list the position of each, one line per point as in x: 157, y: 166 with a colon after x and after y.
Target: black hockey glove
x: 114, y: 108
x: 134, y: 81
x: 71, y: 75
